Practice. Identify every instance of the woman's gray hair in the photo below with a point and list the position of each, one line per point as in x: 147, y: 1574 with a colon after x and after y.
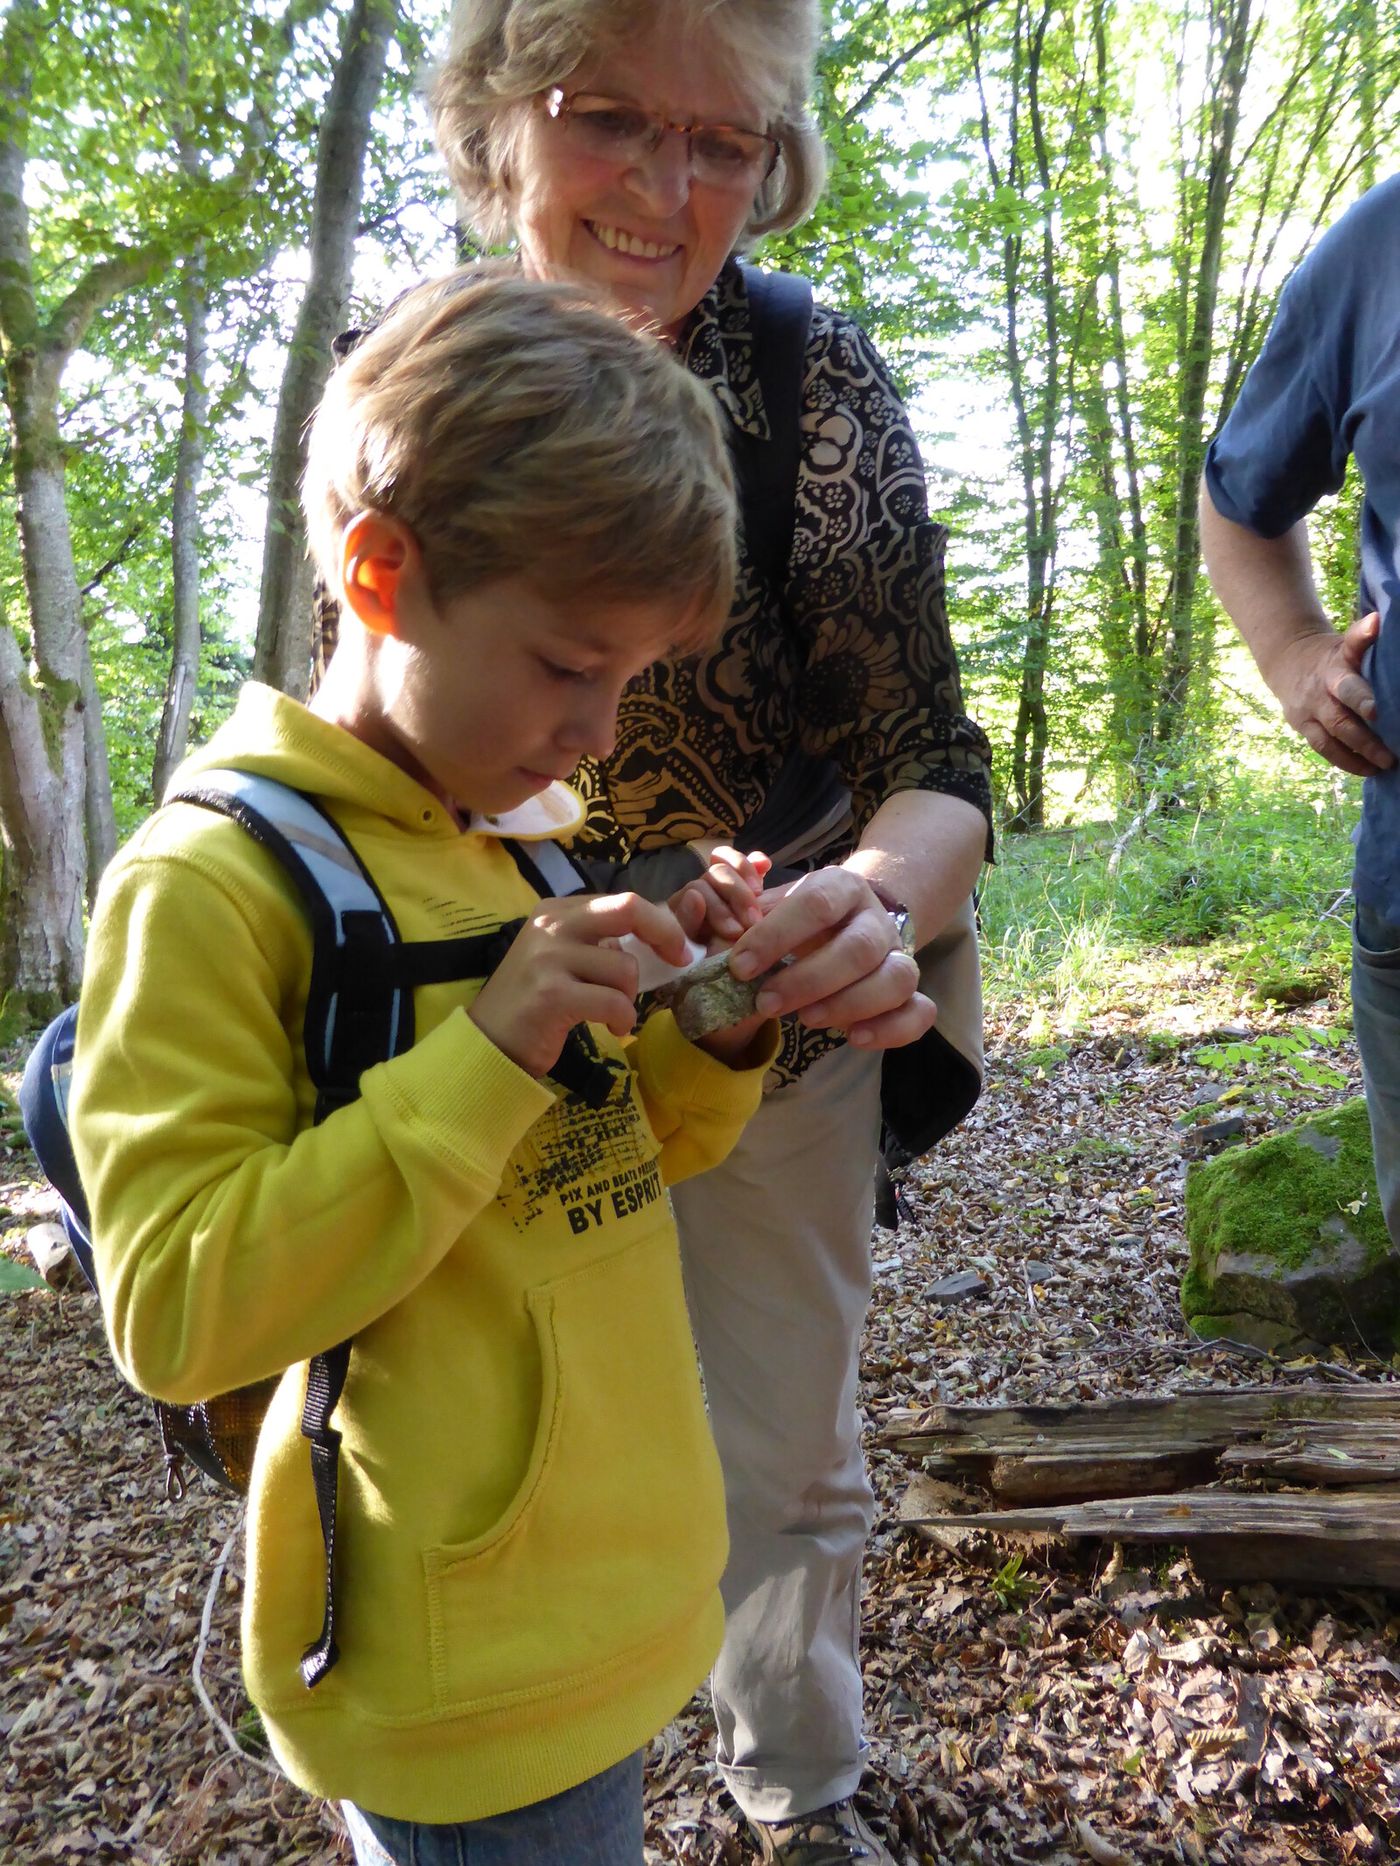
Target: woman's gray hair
x: 502, y: 53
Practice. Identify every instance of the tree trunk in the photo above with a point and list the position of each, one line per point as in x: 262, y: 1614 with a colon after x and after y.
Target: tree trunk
x: 1231, y: 18
x: 1038, y: 410
x: 1111, y: 439
x: 283, y: 653
x: 43, y: 763
x: 184, y: 535
x: 41, y: 875
x: 99, y: 814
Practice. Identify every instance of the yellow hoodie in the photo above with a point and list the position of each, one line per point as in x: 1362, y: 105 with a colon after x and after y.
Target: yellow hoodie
x: 530, y: 1529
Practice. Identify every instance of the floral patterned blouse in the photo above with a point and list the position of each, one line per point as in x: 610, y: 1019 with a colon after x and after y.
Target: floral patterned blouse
x: 851, y: 661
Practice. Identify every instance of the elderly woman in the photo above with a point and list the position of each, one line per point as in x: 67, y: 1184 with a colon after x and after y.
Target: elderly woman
x: 640, y: 145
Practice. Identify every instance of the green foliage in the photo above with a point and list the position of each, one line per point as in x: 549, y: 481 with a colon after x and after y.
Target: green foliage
x: 18, y: 1276
x: 1012, y: 1589
x: 1286, y: 1059
x: 1069, y: 182
x: 161, y: 130
x: 1261, y: 878
x: 251, y: 1733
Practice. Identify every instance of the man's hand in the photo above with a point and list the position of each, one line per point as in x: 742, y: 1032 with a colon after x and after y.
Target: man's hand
x: 560, y: 971
x: 1266, y: 588
x: 1318, y: 681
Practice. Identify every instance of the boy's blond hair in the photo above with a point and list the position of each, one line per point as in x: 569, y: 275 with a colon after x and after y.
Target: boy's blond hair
x: 524, y: 429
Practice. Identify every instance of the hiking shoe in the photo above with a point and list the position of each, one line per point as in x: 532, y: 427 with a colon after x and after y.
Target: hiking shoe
x: 832, y: 1836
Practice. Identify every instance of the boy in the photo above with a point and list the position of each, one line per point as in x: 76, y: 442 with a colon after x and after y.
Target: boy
x: 521, y: 503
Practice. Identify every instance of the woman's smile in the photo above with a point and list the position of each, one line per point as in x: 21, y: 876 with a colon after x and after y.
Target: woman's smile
x: 632, y: 245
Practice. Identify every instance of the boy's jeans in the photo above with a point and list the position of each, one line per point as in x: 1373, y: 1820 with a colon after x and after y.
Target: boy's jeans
x: 1375, y: 1005
x: 599, y: 1823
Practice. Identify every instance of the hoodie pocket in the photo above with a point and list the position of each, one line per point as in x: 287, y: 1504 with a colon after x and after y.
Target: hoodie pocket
x: 616, y: 1534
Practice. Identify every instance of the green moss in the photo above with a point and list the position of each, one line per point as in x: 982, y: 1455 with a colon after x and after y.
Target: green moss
x: 1289, y: 988
x: 1272, y: 1199
x: 1196, y: 1297
x: 1208, y: 1327
x: 1043, y: 1061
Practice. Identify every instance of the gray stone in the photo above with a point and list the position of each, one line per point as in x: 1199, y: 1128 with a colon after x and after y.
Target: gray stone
x: 708, y: 997
x: 1328, y: 1145
x: 1228, y: 1127
x: 960, y: 1288
x: 1255, y: 1331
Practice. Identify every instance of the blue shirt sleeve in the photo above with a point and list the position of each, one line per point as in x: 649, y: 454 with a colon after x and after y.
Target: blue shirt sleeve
x: 1284, y: 444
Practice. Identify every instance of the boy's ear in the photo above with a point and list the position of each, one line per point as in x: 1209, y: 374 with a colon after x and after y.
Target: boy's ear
x: 377, y: 556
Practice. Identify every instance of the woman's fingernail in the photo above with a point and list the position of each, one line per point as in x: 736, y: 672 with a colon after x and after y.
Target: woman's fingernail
x: 743, y: 965
x: 861, y: 1036
x: 768, y: 1002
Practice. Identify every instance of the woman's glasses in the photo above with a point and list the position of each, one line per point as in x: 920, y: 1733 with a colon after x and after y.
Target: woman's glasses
x: 721, y: 154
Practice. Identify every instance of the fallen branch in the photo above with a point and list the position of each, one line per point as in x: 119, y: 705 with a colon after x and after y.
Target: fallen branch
x: 197, y: 1669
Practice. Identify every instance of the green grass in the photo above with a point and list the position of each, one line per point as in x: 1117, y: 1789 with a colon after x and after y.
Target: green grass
x: 1254, y: 889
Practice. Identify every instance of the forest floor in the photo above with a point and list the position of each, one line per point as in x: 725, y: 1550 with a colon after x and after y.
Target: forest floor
x: 1099, y: 1704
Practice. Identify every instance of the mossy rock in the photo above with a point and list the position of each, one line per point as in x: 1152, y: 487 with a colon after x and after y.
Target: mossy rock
x: 1290, y: 1231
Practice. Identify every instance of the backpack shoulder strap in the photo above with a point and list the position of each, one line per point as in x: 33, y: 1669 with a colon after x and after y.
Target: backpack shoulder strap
x: 780, y: 315
x: 357, y: 1013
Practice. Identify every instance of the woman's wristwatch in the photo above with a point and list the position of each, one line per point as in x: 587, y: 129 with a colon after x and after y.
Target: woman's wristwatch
x: 898, y: 912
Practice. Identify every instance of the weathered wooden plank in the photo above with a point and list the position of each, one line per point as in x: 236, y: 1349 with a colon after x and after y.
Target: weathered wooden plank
x: 1340, y: 1454
x: 1131, y: 1427
x: 1349, y: 1539
x: 1067, y: 1477
x: 1123, y: 1448
x: 1295, y: 1561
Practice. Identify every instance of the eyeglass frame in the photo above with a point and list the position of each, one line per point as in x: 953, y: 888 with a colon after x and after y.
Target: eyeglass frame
x: 559, y: 103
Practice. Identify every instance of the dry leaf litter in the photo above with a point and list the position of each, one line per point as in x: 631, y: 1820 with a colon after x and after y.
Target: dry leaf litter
x: 1031, y: 1702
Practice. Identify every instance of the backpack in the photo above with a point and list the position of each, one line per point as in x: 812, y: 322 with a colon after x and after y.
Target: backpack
x: 359, y: 1011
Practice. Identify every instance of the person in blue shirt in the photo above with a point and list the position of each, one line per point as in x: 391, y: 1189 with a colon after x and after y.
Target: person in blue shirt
x: 1325, y: 390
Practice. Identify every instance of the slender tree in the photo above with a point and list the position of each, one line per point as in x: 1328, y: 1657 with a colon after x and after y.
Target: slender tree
x: 1206, y: 179
x: 283, y: 655
x: 184, y: 528
x: 184, y: 504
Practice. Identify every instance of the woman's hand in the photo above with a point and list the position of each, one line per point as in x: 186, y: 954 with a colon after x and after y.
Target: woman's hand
x: 561, y: 970
x: 847, y: 970
x: 722, y: 903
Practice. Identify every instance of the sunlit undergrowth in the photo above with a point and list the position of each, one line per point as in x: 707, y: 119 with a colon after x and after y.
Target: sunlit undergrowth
x: 1241, y: 905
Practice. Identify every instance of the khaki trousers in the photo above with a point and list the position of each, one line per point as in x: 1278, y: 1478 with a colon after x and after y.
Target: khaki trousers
x: 776, y: 1248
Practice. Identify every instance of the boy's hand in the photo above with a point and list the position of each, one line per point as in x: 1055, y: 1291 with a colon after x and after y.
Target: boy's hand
x: 723, y: 903
x: 560, y: 971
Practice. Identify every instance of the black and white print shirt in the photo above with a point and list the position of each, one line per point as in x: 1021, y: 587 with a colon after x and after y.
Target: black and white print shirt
x: 851, y: 661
